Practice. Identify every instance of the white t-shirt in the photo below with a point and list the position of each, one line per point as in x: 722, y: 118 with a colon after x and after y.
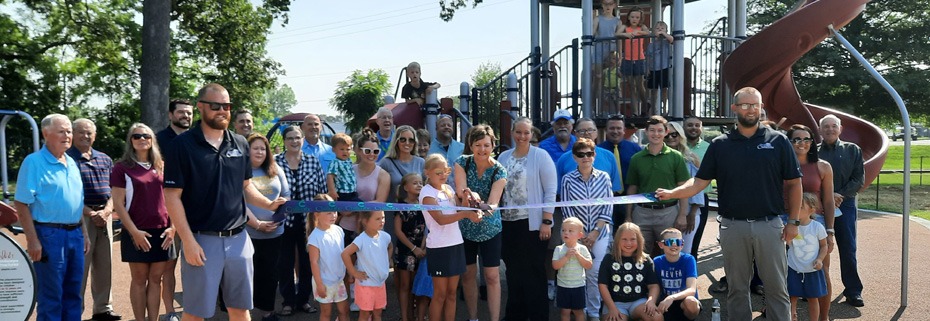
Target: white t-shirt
x: 804, y: 248
x: 440, y: 235
x: 373, y: 257
x: 330, y: 243
x: 572, y: 274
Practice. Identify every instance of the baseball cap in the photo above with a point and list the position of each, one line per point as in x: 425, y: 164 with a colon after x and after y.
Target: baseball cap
x: 562, y: 114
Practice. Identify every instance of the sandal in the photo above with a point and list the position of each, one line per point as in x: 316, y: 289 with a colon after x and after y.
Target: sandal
x: 307, y: 308
x: 286, y: 311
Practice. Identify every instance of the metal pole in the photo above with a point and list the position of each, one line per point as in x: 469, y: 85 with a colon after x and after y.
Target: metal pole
x: 678, y: 70
x: 741, y: 19
x: 575, y: 69
x: 3, y: 161
x: 906, y: 121
x: 546, y: 73
x: 432, y: 111
x: 536, y: 51
x: 464, y: 98
x: 513, y: 94
x: 587, y: 45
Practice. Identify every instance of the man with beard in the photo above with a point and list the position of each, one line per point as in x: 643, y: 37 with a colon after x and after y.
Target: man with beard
x: 603, y: 159
x: 445, y: 144
x: 694, y: 132
x: 180, y: 113
x: 313, y: 145
x: 848, y: 177
x: 756, y: 172
x: 243, y: 122
x: 95, y: 169
x: 562, y: 139
x: 205, y: 191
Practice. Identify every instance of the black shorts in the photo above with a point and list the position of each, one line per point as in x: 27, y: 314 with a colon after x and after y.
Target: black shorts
x: 348, y: 237
x: 658, y: 78
x: 446, y: 261
x: 675, y: 312
x: 348, y: 197
x: 633, y: 67
x: 490, y: 251
x: 570, y: 298
x: 155, y: 254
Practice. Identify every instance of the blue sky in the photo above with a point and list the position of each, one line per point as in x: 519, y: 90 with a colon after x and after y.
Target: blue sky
x: 323, y: 44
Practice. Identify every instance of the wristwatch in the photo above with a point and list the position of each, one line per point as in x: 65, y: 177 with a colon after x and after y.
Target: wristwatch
x: 794, y: 222
x: 547, y: 221
x: 831, y: 231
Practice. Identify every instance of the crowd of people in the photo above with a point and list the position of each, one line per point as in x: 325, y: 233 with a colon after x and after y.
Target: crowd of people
x: 186, y: 194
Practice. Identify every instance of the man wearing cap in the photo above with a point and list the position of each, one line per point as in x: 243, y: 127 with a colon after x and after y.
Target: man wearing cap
x: 603, y: 159
x: 562, y: 139
x: 445, y: 144
x: 50, y: 204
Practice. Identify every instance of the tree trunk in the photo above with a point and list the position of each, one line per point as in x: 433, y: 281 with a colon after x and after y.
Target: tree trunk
x: 155, y: 73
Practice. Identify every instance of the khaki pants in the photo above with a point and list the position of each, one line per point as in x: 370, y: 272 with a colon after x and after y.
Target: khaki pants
x: 98, y: 261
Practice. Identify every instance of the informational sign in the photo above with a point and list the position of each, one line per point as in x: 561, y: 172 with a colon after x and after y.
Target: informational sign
x: 17, y: 281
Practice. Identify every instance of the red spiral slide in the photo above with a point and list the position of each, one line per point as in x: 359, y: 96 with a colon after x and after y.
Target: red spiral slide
x: 764, y: 61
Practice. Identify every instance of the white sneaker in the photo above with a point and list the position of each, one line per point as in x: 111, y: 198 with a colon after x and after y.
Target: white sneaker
x: 551, y: 292
x: 171, y: 317
x: 354, y: 307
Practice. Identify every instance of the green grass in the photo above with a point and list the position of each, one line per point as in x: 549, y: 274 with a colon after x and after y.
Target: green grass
x: 895, y: 161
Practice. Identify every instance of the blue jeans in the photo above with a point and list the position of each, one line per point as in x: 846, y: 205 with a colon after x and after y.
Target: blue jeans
x: 58, y: 280
x: 845, y: 227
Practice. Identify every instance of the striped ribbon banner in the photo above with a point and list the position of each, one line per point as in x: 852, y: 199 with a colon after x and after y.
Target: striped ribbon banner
x: 337, y: 206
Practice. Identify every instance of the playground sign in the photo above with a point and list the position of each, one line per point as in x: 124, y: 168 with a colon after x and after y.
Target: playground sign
x: 17, y: 281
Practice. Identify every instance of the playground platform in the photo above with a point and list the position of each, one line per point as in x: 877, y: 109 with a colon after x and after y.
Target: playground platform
x: 879, y: 265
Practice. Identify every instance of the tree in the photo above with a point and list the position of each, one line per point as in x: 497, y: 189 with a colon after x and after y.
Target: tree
x: 487, y: 111
x: 360, y: 95
x: 156, y: 61
x: 280, y: 101
x: 448, y: 7
x: 890, y: 34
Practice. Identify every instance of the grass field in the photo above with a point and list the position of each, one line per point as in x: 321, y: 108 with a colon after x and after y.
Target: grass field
x: 888, y: 188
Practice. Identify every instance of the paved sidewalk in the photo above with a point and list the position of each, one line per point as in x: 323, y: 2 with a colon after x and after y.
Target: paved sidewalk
x: 879, y: 265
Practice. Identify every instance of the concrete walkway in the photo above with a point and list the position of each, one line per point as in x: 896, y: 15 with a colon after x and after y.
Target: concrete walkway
x: 879, y: 266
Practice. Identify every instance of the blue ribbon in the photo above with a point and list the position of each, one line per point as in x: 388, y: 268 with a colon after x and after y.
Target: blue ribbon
x: 339, y: 206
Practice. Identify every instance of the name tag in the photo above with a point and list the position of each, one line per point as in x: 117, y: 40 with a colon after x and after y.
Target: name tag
x: 235, y: 152
x: 765, y: 146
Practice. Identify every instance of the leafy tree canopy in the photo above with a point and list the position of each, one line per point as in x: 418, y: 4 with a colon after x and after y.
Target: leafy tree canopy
x: 892, y: 35
x: 448, y: 7
x: 360, y: 95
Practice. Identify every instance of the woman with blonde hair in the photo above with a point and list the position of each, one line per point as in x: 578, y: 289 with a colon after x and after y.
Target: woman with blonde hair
x: 675, y: 139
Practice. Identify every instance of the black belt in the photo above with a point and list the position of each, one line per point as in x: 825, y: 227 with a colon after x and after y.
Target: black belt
x: 656, y: 206
x: 750, y: 220
x: 67, y: 227
x: 96, y: 207
x: 225, y: 233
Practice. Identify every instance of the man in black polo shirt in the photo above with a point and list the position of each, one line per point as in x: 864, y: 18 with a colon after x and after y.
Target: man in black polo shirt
x: 755, y: 168
x: 206, y: 186
x: 180, y: 113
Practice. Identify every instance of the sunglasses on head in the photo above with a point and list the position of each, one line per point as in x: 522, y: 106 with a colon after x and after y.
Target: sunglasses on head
x: 584, y: 154
x: 214, y: 106
x: 141, y: 136
x: 673, y: 242
x: 370, y: 151
x: 672, y: 135
x: 406, y: 140
x: 444, y: 116
x: 801, y: 140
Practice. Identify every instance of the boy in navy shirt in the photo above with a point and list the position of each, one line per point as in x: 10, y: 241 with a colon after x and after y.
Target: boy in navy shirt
x: 678, y: 275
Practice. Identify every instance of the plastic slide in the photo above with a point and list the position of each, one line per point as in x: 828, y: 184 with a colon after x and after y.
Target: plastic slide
x: 764, y: 61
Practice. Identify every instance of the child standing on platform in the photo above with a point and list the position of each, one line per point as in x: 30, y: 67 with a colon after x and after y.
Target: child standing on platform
x: 374, y: 249
x: 805, y: 260
x: 325, y: 245
x: 627, y: 282
x: 571, y: 259
x: 659, y: 56
x: 633, y: 67
x: 410, y: 246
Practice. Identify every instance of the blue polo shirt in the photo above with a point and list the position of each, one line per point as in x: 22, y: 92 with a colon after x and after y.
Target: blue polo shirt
x: 750, y: 172
x: 52, y: 190
x: 551, y: 146
x: 627, y: 150
x: 322, y: 151
x: 211, y: 179
x: 384, y: 143
x: 95, y: 173
x: 451, y: 152
x: 603, y: 160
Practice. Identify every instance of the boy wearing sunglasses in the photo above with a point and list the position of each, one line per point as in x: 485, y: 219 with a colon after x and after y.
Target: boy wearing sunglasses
x: 677, y: 272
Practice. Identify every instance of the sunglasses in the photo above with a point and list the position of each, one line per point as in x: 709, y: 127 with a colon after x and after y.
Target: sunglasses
x: 141, y: 136
x: 370, y: 151
x: 441, y: 172
x: 584, y: 154
x: 797, y: 141
x: 406, y: 140
x: 673, y: 242
x: 444, y: 116
x: 746, y: 106
x: 672, y: 135
x: 214, y: 106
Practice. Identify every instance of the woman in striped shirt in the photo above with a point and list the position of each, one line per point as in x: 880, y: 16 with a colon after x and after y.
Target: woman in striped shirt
x: 582, y: 184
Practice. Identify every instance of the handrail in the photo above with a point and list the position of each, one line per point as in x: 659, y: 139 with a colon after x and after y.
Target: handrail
x: 403, y: 72
x: 905, y: 119
x: 504, y: 73
x: 542, y: 63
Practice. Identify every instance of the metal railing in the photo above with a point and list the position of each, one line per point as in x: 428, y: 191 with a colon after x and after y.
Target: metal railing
x: 708, y: 95
x: 485, y: 100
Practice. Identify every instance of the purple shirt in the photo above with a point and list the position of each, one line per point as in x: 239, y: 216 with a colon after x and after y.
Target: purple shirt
x: 145, y: 198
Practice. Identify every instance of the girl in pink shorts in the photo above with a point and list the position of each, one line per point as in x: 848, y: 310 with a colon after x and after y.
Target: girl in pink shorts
x: 374, y: 251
